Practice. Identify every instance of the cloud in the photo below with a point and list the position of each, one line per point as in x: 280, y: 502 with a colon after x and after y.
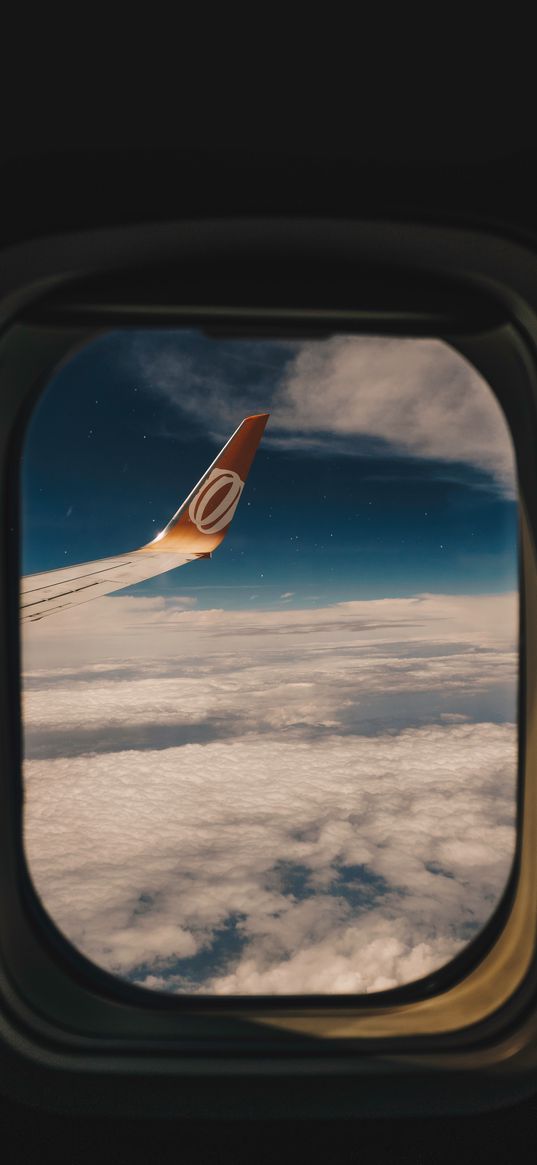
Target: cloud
x: 295, y: 809
x: 420, y: 396
x: 126, y: 627
x: 417, y: 397
x: 218, y: 392
x: 201, y: 675
x: 151, y: 854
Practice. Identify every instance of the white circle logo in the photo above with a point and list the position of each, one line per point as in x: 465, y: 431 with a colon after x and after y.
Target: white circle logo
x: 214, y: 505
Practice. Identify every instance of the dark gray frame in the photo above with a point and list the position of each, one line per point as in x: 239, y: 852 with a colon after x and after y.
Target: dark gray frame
x: 60, y: 1013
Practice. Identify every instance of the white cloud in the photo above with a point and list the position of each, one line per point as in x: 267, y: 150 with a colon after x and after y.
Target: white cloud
x: 249, y: 790
x: 418, y: 395
x: 155, y: 628
x: 142, y: 856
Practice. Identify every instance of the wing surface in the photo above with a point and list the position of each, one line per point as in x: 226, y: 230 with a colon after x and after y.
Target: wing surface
x: 195, y: 531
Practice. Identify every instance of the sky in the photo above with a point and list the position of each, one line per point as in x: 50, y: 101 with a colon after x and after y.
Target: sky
x: 384, y: 497
x: 291, y: 768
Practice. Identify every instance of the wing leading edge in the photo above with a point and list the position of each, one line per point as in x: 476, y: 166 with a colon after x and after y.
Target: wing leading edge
x: 196, y: 529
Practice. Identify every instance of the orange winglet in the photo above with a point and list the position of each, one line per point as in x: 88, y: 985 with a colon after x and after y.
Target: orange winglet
x: 202, y: 521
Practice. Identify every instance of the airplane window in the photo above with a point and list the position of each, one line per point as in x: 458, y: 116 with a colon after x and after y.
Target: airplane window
x: 290, y: 766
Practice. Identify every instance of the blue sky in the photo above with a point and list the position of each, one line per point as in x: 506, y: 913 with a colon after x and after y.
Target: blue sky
x: 128, y: 425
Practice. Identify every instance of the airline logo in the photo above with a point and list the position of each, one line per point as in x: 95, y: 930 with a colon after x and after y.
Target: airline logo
x: 215, y: 503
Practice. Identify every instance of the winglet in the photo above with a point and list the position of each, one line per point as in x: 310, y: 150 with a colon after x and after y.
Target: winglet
x: 202, y: 521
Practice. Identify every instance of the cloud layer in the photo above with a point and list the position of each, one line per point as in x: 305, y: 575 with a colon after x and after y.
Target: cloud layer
x: 277, y: 803
x: 402, y: 840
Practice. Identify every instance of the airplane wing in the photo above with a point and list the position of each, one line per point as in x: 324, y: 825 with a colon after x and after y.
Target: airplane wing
x: 196, y: 529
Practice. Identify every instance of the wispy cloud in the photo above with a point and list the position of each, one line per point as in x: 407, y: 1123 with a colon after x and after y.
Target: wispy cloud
x: 360, y: 395
x: 218, y: 394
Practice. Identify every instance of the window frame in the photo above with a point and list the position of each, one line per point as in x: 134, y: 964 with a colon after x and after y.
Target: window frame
x: 56, y: 996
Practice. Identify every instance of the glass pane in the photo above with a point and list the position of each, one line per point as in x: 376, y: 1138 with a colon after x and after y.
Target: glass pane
x: 289, y: 767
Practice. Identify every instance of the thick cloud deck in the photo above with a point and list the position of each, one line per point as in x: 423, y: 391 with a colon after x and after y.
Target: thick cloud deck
x: 283, y: 805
